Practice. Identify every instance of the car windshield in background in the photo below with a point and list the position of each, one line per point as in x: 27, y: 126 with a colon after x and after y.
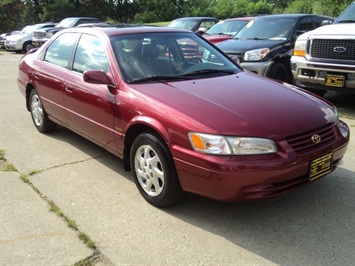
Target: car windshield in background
x: 160, y: 57
x: 348, y: 16
x: 228, y: 27
x: 267, y: 29
x: 183, y: 24
x: 67, y: 23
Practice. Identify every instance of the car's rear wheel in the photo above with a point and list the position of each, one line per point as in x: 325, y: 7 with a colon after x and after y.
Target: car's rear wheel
x: 280, y: 72
x: 39, y: 115
x: 154, y: 171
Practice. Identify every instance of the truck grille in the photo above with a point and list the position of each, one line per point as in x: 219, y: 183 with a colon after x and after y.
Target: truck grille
x: 303, y: 142
x: 39, y: 34
x: 325, y: 49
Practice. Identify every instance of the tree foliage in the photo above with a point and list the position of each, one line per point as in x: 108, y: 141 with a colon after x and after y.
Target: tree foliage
x: 14, y: 14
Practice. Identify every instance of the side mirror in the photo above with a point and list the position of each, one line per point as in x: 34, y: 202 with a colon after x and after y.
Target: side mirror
x: 326, y: 22
x: 236, y: 60
x: 201, y: 31
x: 97, y: 77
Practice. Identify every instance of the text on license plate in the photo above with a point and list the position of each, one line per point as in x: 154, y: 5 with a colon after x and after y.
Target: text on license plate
x: 334, y: 80
x: 321, y: 166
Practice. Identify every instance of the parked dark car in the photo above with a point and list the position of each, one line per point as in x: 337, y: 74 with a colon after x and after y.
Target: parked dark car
x: 226, y: 29
x: 199, y: 125
x: 41, y: 36
x: 196, y: 24
x: 266, y: 44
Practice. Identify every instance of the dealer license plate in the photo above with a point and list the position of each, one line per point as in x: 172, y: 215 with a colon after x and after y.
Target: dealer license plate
x: 321, y: 166
x: 334, y: 80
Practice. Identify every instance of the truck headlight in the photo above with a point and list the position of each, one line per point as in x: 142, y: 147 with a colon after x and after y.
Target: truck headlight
x: 300, y: 48
x: 231, y: 145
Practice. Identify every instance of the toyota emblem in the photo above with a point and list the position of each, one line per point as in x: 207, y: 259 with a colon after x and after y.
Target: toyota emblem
x: 316, y: 138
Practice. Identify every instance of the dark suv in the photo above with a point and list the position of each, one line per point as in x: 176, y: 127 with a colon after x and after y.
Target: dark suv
x: 41, y: 36
x: 266, y: 44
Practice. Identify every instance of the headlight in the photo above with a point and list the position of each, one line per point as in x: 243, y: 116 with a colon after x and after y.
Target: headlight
x: 220, y: 145
x: 300, y: 48
x: 256, y: 55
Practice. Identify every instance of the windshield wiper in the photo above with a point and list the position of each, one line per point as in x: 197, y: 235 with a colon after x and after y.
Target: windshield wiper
x: 158, y: 78
x: 255, y: 38
x: 209, y: 71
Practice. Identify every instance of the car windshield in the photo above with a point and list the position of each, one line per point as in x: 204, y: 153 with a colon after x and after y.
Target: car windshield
x: 267, y: 29
x: 27, y: 30
x: 67, y: 23
x: 228, y: 27
x: 348, y: 16
x: 183, y: 24
x: 163, y: 57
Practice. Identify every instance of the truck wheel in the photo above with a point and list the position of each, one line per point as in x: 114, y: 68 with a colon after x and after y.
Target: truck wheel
x: 280, y: 72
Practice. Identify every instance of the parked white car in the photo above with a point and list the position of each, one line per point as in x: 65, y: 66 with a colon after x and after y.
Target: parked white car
x: 22, y: 42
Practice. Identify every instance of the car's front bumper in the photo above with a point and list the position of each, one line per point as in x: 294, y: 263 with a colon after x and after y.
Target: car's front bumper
x: 312, y: 74
x: 13, y: 46
x: 239, y: 178
x: 260, y: 68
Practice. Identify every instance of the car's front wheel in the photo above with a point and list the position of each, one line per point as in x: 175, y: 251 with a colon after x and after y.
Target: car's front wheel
x: 154, y: 171
x: 39, y: 115
x: 280, y: 72
x: 27, y: 46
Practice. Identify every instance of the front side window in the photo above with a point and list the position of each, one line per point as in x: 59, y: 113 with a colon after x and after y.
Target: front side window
x: 60, y: 50
x: 90, y: 54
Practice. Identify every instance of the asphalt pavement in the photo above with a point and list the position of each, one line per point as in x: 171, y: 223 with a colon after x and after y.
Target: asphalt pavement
x: 311, y: 226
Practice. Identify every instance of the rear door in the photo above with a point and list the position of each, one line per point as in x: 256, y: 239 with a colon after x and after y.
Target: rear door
x: 51, y: 72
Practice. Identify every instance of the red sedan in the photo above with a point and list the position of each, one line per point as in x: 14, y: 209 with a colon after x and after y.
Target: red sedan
x: 199, y: 125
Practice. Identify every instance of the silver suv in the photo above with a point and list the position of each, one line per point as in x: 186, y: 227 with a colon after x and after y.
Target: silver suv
x: 22, y: 42
x: 323, y: 59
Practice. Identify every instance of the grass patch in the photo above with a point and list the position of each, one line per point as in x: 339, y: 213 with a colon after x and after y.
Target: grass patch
x: 160, y: 24
x: 88, y: 242
x: 8, y: 167
x: 2, y: 154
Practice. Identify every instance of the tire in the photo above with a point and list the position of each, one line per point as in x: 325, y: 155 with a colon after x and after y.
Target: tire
x: 280, y: 72
x: 154, y: 172
x: 27, y: 46
x: 39, y: 115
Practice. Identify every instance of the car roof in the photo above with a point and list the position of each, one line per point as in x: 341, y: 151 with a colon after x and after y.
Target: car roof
x: 240, y: 18
x: 296, y: 16
x: 111, y: 31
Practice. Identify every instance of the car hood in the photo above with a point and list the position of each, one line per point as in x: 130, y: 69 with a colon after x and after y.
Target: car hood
x: 243, y: 104
x: 336, y: 29
x: 241, y: 46
x: 217, y: 38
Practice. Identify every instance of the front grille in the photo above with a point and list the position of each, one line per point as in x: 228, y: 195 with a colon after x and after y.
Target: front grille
x: 38, y: 34
x: 325, y: 49
x: 303, y: 142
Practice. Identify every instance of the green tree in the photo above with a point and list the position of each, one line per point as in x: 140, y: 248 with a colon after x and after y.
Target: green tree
x: 11, y: 15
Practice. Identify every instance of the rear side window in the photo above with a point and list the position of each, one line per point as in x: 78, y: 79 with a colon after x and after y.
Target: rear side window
x: 90, y: 54
x: 60, y: 50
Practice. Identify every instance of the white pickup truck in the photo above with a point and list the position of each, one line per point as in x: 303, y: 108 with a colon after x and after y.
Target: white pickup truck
x: 324, y: 59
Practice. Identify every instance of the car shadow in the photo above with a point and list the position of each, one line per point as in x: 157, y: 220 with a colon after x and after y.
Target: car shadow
x: 312, y: 224
x: 344, y: 103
